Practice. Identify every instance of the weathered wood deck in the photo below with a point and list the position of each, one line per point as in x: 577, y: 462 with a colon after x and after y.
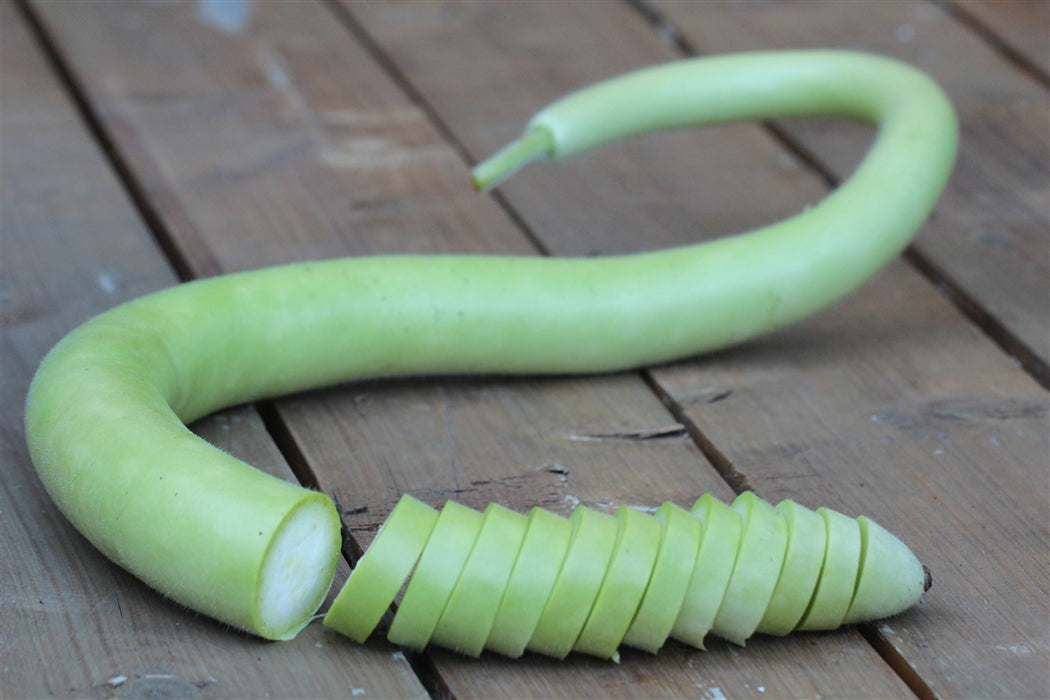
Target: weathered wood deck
x: 148, y: 142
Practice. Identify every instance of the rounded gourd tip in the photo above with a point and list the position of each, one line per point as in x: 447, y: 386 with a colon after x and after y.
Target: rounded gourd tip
x: 891, y: 578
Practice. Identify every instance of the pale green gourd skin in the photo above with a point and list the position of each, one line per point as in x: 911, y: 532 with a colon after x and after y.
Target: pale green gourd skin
x: 471, y: 609
x: 838, y: 577
x: 672, y: 571
x: 579, y: 581
x: 450, y: 543
x: 381, y: 572
x: 720, y: 541
x: 807, y: 541
x: 531, y: 582
x: 626, y: 579
x: 759, y: 558
x: 106, y: 411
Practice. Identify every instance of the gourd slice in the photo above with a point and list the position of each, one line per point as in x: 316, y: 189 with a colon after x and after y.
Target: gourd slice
x: 807, y: 541
x: 531, y: 581
x: 722, y: 527
x: 593, y: 538
x: 672, y: 571
x: 626, y: 579
x: 435, y: 576
x: 838, y: 577
x: 593, y: 582
x: 758, y: 563
x: 382, y: 569
x: 471, y: 609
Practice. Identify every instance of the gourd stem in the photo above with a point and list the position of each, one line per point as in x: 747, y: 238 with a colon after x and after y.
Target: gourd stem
x: 535, y: 144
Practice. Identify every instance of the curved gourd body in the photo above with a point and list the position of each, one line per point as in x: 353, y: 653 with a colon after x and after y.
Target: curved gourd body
x: 106, y: 412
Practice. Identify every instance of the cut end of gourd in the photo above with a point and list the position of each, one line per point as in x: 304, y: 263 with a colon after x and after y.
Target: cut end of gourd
x: 298, y: 568
x: 891, y: 577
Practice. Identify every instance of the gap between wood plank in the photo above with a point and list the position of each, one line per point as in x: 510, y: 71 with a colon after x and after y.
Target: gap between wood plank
x: 65, y: 77
x: 992, y: 38
x: 900, y: 665
x: 421, y: 663
x: 962, y: 300
x: 427, y: 673
x: 722, y: 464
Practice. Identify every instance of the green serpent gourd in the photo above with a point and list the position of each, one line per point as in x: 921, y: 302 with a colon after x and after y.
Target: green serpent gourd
x: 593, y: 582
x: 107, y: 410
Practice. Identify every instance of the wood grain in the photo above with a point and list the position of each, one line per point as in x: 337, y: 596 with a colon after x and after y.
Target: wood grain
x: 1019, y: 27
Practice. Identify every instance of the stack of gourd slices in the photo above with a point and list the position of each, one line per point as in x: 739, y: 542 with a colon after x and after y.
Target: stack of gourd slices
x: 507, y: 582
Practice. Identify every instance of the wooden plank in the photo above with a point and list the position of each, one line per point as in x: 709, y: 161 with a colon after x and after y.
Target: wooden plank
x: 892, y: 404
x: 283, y: 139
x: 74, y: 624
x: 990, y: 238
x: 1020, y: 27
